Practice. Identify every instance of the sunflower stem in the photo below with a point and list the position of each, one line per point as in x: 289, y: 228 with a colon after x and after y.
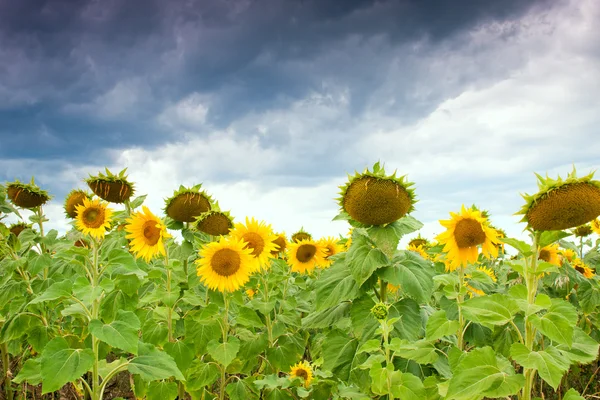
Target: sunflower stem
x: 95, y: 313
x: 6, y: 366
x: 459, y: 301
x: 170, y: 308
x: 531, y: 282
x: 382, y: 290
x: 40, y: 214
x: 225, y: 332
x: 268, y: 316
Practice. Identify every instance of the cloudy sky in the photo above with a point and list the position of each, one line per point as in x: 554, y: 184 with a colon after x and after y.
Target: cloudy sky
x: 269, y: 103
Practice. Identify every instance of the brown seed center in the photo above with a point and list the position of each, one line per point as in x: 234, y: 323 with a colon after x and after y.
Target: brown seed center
x: 302, y: 374
x: 468, y: 233
x: 280, y: 245
x: 93, y: 217
x: 225, y: 262
x: 255, y: 242
x: 151, y: 232
x: 306, y: 252
x: 544, y: 255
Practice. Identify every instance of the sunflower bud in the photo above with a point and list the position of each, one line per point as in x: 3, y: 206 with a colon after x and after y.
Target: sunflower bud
x: 380, y: 311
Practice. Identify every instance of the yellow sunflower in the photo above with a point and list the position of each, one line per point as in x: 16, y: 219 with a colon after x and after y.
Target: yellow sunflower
x: 305, y: 255
x: 472, y: 291
x: 488, y: 271
x: 280, y: 245
x: 302, y: 370
x: 596, y: 225
x: 393, y: 288
x: 250, y: 293
x: 331, y: 247
x: 225, y: 265
x: 465, y: 232
x: 93, y: 217
x: 419, y: 241
x: 550, y: 254
x: 569, y: 254
x: 259, y: 239
x: 147, y: 233
x: 419, y: 250
x: 582, y: 268
x: 349, y: 240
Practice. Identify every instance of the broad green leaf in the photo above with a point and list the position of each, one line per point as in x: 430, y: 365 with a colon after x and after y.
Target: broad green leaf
x: 326, y: 318
x: 248, y: 317
x: 370, y: 346
x: 339, y: 351
x: 54, y: 292
x: 412, y: 273
x: 155, y: 332
x: 201, y: 374
x: 572, y: 394
x: 583, y: 350
x: 61, y: 364
x: 409, y: 325
x: 162, y: 390
x: 335, y: 285
x: 364, y: 258
x: 279, y: 394
x: 519, y: 245
x: 558, y: 322
x: 497, y: 309
x: 385, y: 237
x: 403, y: 386
x: 104, y: 368
x: 519, y: 294
x: 117, y: 334
x: 31, y: 372
x: 120, y: 261
x: 549, y: 237
x: 201, y: 333
x: 549, y: 363
x: 286, y: 353
x: 224, y: 353
x: 589, y: 295
x: 438, y: 326
x: 153, y: 364
x: 238, y: 391
x: 182, y: 353
x: 421, y: 351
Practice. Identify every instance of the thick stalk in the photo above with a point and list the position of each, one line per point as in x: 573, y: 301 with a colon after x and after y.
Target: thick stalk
x: 40, y: 215
x: 225, y: 332
x: 268, y: 316
x: 382, y: 290
x: 459, y: 301
x: 170, y: 307
x: 6, y: 366
x: 95, y: 313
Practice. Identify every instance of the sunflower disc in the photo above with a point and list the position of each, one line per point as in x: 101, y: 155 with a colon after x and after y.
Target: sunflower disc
x: 185, y: 207
x: 23, y: 197
x: 116, y: 191
x: 215, y: 223
x: 301, y: 235
x: 16, y: 229
x: 74, y: 199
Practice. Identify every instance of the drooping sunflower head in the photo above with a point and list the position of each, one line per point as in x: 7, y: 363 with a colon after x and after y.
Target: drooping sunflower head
x: 74, y: 199
x: 419, y: 241
x: 17, y: 228
x: 465, y: 232
x: 562, y: 203
x: 93, y: 217
x: 374, y: 198
x: 26, y: 195
x: 301, y: 235
x: 147, y: 233
x: 305, y: 255
x: 214, y: 222
x: 225, y: 265
x: 302, y: 370
x: 111, y: 187
x: 595, y: 224
x: 583, y: 231
x: 258, y: 237
x: 331, y: 247
x: 568, y: 254
x: 280, y: 245
x: 419, y: 250
x: 550, y: 254
x: 488, y: 271
x: 187, y: 204
x: 583, y: 268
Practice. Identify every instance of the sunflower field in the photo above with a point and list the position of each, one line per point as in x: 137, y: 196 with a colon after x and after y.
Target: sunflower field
x: 187, y: 303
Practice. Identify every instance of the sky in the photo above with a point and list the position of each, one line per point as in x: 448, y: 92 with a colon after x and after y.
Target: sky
x: 270, y: 104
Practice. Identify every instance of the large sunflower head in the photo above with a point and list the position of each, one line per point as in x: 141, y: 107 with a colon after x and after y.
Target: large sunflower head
x: 550, y: 254
x: 111, y: 187
x: 302, y: 370
x: 280, y: 245
x: 225, y: 265
x: 93, y: 217
x: 305, y: 255
x: 595, y: 224
x: 374, y: 198
x: 562, y: 203
x: 214, y: 222
x: 331, y: 247
x: 187, y: 204
x: 17, y: 228
x: 26, y: 195
x: 583, y: 231
x: 74, y: 199
x: 465, y: 232
x: 301, y: 235
x: 147, y: 233
x: 259, y: 238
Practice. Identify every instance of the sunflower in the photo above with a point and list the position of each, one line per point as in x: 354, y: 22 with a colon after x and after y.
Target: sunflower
x: 187, y: 203
x: 225, y: 265
x: 301, y: 235
x: 583, y: 231
x: 349, y: 240
x: 280, y: 245
x: 419, y: 250
x: 305, y: 255
x: 111, y: 187
x: 26, y: 195
x: 373, y: 198
x: 596, y: 225
x: 550, y: 254
x: 464, y: 233
x: 250, y: 293
x: 488, y: 271
x: 501, y: 234
x: 214, y: 222
x: 147, y: 233
x: 74, y: 199
x: 93, y: 217
x: 17, y: 228
x: 569, y: 254
x: 331, y: 247
x: 582, y: 268
x: 562, y: 203
x: 419, y: 241
x: 472, y: 291
x: 302, y: 370
x: 259, y: 238
x: 393, y: 288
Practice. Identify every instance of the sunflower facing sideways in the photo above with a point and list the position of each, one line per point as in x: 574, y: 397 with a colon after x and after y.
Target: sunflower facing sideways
x: 147, y: 233
x: 93, y: 217
x: 225, y: 265
x: 259, y: 238
x: 465, y: 232
x: 551, y: 255
x: 331, y: 247
x: 305, y: 255
x: 595, y: 224
x: 302, y: 370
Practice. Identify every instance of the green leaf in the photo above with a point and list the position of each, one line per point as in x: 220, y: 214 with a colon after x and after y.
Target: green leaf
x: 497, y: 309
x: 421, y: 351
x: 325, y: 318
x: 583, y: 350
x: 549, y: 363
x: 385, y: 237
x: 409, y: 325
x: 182, y: 353
x: 285, y: 354
x: 339, y: 351
x: 238, y: 391
x: 224, y: 353
x: 404, y: 386
x: 248, y: 317
x: 31, y: 372
x: 519, y: 294
x: 153, y: 364
x: 412, y: 273
x: 370, y: 346
x: 335, y: 285
x: 121, y: 262
x: 589, y: 295
x: 104, y: 368
x: 201, y: 333
x: 519, y: 245
x: 364, y: 258
x: 61, y: 364
x: 279, y: 394
x: 117, y: 334
x: 201, y: 374
x: 162, y: 391
x: 558, y: 322
x: 549, y: 237
x: 56, y: 291
x: 572, y: 394
x: 438, y: 326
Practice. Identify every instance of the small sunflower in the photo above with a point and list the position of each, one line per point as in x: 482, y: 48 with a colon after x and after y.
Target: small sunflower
x: 147, y: 233
x: 373, y: 198
x: 301, y: 235
x: 349, y: 240
x: 472, y: 291
x: 583, y: 231
x: 331, y: 247
x: 582, y: 268
x: 465, y: 231
x: 225, y: 265
x: 419, y: 250
x: 74, y: 199
x: 488, y: 271
x: 596, y: 226
x: 26, y: 195
x: 305, y: 255
x: 214, y: 222
x: 93, y: 217
x: 250, y: 293
x: 562, y: 203
x: 302, y: 370
x: 111, y: 187
x: 187, y: 204
x: 419, y: 241
x: 393, y: 288
x: 501, y: 234
x: 550, y: 254
x: 280, y: 245
x: 569, y: 254
x: 17, y: 228
x: 81, y: 243
x: 259, y: 238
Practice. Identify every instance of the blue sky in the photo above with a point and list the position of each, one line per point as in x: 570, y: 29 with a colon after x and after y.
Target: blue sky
x: 270, y: 103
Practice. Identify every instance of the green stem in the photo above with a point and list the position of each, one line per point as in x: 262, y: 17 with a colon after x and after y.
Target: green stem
x: 268, y: 316
x: 531, y: 282
x: 6, y: 366
x: 225, y: 332
x: 170, y: 308
x: 40, y: 215
x: 382, y: 291
x: 180, y: 391
x: 459, y: 301
x: 96, y: 393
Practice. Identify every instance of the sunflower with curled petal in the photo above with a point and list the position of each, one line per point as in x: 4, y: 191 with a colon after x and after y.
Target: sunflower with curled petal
x: 302, y: 370
x: 147, y: 233
x: 305, y: 255
x: 225, y: 265
x: 331, y: 247
x: 259, y: 237
x: 465, y: 232
x: 93, y: 217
